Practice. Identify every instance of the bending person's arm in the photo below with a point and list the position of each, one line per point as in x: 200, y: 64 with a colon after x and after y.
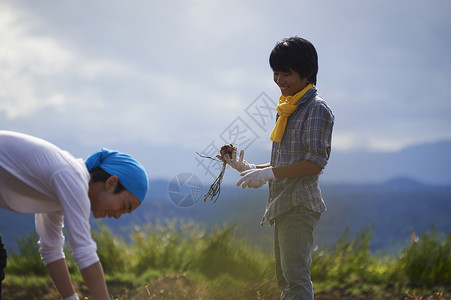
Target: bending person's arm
x: 72, y: 192
x: 95, y: 281
x: 60, y: 275
x: 92, y: 276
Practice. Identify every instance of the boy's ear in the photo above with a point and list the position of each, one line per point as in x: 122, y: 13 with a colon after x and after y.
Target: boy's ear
x: 111, y: 182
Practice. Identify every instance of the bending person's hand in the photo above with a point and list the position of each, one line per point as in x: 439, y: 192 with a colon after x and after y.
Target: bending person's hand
x: 255, y: 178
x: 238, y: 164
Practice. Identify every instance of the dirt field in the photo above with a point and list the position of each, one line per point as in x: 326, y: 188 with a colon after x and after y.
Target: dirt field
x: 179, y: 287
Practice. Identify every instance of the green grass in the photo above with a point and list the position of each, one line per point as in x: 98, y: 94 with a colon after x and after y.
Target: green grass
x: 222, y: 263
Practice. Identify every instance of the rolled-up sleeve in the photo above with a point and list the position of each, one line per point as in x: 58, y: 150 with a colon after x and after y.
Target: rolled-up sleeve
x: 73, y: 195
x: 318, y: 134
x: 51, y: 239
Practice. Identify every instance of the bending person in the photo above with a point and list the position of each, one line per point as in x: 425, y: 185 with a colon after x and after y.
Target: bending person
x: 38, y: 177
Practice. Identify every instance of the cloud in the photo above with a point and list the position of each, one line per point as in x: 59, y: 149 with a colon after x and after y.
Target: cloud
x: 172, y: 73
x: 73, y: 85
x: 23, y: 57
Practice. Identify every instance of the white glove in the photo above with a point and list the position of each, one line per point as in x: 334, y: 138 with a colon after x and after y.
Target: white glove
x: 238, y: 164
x: 72, y: 297
x: 255, y: 178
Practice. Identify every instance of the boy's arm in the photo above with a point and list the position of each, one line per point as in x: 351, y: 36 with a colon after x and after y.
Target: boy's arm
x: 92, y: 275
x: 255, y: 178
x: 263, y: 166
x: 60, y: 275
x: 300, y: 168
x: 95, y: 281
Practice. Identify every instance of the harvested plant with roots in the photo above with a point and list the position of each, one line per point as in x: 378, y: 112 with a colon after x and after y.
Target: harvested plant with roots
x: 215, y: 188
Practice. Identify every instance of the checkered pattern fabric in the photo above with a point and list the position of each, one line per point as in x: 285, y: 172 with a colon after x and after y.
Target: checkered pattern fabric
x: 308, y: 136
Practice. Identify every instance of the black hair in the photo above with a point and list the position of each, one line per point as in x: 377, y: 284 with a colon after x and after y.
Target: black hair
x: 297, y: 54
x: 98, y: 174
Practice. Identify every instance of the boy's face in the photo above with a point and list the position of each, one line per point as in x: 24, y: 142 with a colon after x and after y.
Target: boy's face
x: 289, y: 82
x: 111, y: 205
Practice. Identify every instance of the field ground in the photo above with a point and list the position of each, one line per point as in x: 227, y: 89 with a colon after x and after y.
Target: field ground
x: 180, y: 287
x: 165, y: 262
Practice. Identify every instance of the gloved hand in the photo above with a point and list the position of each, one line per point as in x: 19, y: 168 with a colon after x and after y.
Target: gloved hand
x: 255, y: 178
x: 238, y: 164
x: 72, y: 297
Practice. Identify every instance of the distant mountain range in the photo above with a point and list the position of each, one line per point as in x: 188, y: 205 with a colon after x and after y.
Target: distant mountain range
x: 428, y: 163
x: 399, y: 192
x: 396, y: 208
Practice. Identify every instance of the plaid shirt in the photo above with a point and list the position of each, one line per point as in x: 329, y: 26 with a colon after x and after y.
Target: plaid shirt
x: 308, y: 136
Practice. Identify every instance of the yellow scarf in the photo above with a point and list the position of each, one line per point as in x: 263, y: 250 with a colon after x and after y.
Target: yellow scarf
x: 285, y: 107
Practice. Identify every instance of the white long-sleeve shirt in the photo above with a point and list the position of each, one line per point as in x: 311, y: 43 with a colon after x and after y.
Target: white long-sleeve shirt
x: 38, y: 177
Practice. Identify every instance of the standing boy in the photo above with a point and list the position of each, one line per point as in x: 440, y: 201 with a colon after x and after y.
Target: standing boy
x: 300, y: 151
x: 37, y: 177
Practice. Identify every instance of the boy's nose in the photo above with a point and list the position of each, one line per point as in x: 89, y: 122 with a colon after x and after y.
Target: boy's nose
x: 279, y: 79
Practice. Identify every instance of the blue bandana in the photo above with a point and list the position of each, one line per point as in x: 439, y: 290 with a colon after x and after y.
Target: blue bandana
x: 130, y: 172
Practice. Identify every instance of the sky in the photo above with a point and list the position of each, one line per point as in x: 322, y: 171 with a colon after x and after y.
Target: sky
x: 162, y: 80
